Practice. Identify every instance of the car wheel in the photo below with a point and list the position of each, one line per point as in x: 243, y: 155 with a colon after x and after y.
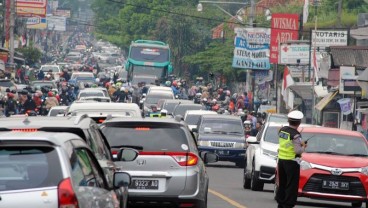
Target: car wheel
x: 356, y: 204
x: 203, y: 204
x: 246, y: 181
x: 275, y: 190
x: 240, y: 164
x: 256, y: 184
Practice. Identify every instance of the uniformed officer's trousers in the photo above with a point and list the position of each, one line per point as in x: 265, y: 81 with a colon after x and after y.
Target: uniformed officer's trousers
x: 288, y: 176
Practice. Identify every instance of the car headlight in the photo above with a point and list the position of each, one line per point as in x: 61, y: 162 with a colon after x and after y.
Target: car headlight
x: 270, y: 153
x: 304, y: 165
x: 239, y: 145
x: 364, y: 170
x: 204, y: 143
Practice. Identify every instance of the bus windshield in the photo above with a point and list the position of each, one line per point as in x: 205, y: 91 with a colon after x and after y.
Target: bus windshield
x: 148, y: 71
x: 149, y: 54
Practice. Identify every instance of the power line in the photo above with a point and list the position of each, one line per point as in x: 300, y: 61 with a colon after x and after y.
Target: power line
x: 198, y: 17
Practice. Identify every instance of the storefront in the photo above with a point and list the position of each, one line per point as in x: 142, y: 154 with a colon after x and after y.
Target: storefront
x: 328, y: 111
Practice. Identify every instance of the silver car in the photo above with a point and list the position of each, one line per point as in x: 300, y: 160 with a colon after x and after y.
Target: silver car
x: 169, y: 171
x: 42, y: 169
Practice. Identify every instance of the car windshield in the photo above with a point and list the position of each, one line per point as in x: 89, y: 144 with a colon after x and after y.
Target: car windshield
x: 192, y: 119
x: 170, y: 107
x: 335, y: 144
x: 154, y: 98
x: 83, y: 76
x: 147, y: 137
x: 28, y: 167
x: 38, y: 85
x: 221, y: 126
x: 57, y: 112
x: 278, y: 118
x: 182, y: 109
x: 271, y: 134
x: 6, y: 84
x: 91, y: 94
x: 52, y: 68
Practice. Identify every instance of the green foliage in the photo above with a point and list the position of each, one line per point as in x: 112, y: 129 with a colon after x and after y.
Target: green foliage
x: 31, y: 54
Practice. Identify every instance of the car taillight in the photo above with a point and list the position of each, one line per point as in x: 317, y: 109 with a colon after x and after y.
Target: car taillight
x: 182, y: 158
x: 67, y: 198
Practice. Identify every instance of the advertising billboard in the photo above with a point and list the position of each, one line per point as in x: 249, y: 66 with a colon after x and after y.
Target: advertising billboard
x: 294, y: 53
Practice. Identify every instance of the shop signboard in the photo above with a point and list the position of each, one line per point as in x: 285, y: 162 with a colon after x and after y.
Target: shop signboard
x: 62, y: 13
x: 284, y: 27
x: 29, y: 8
x: 327, y: 38
x: 348, y: 83
x: 294, y: 53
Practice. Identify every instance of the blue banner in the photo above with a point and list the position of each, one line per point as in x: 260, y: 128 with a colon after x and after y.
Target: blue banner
x: 251, y: 56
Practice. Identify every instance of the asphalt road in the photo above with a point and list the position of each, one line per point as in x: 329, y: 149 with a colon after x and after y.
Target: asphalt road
x: 226, y: 191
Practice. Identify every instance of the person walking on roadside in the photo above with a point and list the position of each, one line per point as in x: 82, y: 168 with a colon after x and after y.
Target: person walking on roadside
x: 288, y: 169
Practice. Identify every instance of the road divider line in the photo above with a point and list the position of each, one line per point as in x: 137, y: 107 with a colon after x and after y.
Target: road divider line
x: 227, y: 199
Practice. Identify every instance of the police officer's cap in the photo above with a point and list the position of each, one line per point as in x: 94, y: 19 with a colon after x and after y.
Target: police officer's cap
x: 295, y: 115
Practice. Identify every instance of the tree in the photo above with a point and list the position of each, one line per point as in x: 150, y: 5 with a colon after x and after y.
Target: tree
x: 31, y: 54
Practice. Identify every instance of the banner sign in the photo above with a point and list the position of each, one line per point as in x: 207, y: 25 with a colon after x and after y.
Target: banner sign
x: 284, y: 27
x: 56, y: 23
x: 346, y: 73
x: 263, y: 76
x: 326, y: 38
x: 345, y: 105
x: 252, y: 55
x: 62, y: 13
x: 290, y: 53
x: 254, y: 35
x: 36, y: 22
x: 29, y: 8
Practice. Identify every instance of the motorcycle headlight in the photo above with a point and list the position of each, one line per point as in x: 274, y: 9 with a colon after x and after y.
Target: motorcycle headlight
x: 270, y: 153
x: 239, y: 145
x: 304, y: 165
x: 364, y: 170
x: 204, y: 143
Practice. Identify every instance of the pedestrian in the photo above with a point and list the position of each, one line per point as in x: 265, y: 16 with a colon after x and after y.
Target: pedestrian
x: 288, y: 169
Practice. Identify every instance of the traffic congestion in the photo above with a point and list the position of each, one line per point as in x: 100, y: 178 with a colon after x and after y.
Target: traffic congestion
x: 94, y: 124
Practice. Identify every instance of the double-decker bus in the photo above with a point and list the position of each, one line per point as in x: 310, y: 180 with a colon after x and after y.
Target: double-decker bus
x: 148, y: 61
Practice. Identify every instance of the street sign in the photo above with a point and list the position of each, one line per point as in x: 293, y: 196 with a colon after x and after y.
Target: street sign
x: 294, y: 53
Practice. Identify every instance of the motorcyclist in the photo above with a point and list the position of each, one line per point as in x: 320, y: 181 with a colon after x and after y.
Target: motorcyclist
x: 123, y: 96
x: 29, y: 104
x: 51, y: 101
x: 10, y: 106
x: 64, y: 97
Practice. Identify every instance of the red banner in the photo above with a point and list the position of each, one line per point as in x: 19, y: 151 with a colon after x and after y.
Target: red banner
x: 284, y: 27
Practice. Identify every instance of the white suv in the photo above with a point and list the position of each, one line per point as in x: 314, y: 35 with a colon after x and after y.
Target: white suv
x: 261, y: 157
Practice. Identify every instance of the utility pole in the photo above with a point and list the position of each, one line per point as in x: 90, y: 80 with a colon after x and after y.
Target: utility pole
x: 11, y: 32
x: 250, y: 79
x: 339, y: 13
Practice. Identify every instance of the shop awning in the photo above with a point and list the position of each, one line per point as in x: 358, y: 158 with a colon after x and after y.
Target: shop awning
x: 322, y: 103
x: 304, y: 90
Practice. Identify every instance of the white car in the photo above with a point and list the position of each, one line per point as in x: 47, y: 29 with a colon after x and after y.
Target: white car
x: 261, y: 156
x: 58, y: 111
x: 192, y: 117
x: 55, y: 69
x: 92, y: 92
x: 100, y: 111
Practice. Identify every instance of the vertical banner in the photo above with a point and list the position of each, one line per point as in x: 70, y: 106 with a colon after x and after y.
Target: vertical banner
x: 284, y: 27
x: 252, y: 48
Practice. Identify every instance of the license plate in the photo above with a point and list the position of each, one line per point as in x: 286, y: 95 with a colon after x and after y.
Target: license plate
x: 338, y: 185
x: 223, y: 152
x: 144, y: 184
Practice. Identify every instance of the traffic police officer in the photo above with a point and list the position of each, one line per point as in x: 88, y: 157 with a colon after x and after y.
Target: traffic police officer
x: 288, y: 169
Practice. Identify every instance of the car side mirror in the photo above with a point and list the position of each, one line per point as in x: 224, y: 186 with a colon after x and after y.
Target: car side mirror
x: 252, y: 140
x: 127, y: 155
x: 122, y: 179
x: 194, y: 130
x: 209, y: 157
